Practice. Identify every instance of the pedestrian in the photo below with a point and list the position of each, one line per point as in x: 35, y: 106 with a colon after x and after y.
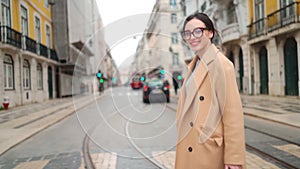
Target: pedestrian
x: 175, y: 84
x: 209, y: 117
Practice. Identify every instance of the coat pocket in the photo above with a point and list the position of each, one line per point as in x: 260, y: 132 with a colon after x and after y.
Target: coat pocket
x: 214, y: 139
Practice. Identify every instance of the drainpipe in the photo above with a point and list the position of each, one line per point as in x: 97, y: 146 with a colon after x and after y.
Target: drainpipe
x: 20, y: 71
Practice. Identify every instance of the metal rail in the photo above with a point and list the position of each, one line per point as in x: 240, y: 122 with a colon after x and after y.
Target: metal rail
x: 262, y: 153
x: 153, y: 162
x: 86, y: 153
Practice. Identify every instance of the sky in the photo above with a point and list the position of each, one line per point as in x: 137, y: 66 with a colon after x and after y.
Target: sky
x: 111, y: 12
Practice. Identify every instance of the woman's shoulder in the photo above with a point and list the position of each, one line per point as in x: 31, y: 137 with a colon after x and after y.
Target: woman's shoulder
x: 227, y: 64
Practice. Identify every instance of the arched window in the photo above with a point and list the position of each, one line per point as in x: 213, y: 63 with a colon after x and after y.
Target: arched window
x: 26, y: 74
x: 39, y: 75
x: 8, y: 72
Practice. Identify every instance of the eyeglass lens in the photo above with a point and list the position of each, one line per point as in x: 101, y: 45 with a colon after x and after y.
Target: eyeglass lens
x: 197, y: 33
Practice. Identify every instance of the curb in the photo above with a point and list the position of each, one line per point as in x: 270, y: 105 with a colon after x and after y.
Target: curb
x: 67, y: 113
x: 269, y: 119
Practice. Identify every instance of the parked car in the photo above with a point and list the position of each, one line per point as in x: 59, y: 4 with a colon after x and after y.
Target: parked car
x: 156, y: 89
x: 136, y: 83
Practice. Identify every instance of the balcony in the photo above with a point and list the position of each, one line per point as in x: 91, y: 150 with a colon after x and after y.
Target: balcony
x: 231, y: 32
x: 53, y: 55
x: 16, y: 39
x: 43, y: 50
x: 30, y: 45
x: 11, y: 37
x: 276, y: 20
x: 284, y: 16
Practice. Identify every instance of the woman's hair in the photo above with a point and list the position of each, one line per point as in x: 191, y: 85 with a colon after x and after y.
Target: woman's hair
x: 204, y: 18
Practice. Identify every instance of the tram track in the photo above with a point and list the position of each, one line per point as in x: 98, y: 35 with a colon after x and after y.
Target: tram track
x: 140, y: 151
x: 89, y: 164
x: 268, y: 155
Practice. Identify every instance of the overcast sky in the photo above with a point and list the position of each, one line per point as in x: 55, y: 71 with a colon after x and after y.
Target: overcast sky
x: 112, y: 11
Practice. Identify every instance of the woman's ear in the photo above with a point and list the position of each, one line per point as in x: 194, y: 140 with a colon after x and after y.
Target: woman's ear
x: 210, y: 34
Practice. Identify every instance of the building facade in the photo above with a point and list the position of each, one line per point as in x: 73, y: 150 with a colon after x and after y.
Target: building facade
x: 274, y: 45
x: 80, y: 46
x: 50, y: 50
x: 160, y: 47
x: 27, y: 55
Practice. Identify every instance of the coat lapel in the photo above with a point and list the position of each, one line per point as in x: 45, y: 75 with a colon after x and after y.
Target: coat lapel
x: 198, y: 78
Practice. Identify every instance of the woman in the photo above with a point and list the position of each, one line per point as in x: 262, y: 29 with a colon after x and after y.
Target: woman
x: 209, y: 116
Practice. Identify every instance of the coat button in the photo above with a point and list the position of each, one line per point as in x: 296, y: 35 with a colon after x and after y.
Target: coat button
x: 191, y: 124
x: 190, y: 149
x: 201, y: 98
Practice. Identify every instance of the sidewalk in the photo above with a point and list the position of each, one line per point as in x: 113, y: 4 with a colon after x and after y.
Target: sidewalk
x: 285, y: 110
x: 20, y: 123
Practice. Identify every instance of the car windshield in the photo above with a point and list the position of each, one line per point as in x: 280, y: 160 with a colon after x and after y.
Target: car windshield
x: 155, y: 83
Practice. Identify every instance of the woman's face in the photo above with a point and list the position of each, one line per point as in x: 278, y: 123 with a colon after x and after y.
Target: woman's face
x: 198, y: 43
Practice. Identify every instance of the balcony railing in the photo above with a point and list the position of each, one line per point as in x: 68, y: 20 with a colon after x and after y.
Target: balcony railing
x: 231, y: 32
x: 16, y: 39
x: 43, y: 50
x: 10, y: 36
x: 287, y: 15
x: 53, y: 55
x: 30, y: 44
x: 284, y: 16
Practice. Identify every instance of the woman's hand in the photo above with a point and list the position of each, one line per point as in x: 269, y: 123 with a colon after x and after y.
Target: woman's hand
x: 227, y: 166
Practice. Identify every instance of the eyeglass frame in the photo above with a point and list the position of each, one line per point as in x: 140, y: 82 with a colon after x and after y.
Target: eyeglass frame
x: 192, y: 33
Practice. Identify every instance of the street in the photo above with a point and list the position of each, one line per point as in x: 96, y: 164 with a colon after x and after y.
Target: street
x: 117, y: 130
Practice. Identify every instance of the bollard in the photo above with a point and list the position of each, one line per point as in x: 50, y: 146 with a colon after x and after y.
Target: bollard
x: 5, y: 102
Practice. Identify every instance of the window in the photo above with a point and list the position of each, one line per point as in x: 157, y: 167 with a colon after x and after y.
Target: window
x: 46, y: 3
x: 173, y: 18
x: 8, y: 72
x: 174, y: 38
x: 37, y: 29
x: 39, y: 71
x: 48, y: 36
x: 231, y: 15
x: 175, y: 59
x: 24, y: 20
x: 26, y: 74
x: 259, y: 14
x: 203, y: 7
x: 173, y: 3
x: 288, y: 12
x: 6, y: 12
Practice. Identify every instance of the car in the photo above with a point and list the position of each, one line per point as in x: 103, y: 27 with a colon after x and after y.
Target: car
x: 156, y: 89
x: 136, y: 83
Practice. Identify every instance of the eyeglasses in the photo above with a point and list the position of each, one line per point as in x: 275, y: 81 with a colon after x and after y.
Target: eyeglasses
x: 197, y: 33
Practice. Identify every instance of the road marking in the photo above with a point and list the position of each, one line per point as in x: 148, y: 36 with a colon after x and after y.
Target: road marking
x: 165, y: 158
x: 32, y: 164
x: 289, y: 148
x: 105, y: 160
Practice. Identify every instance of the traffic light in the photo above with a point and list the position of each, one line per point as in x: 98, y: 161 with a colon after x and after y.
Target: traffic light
x: 179, y: 77
x: 142, y: 78
x: 99, y: 74
x: 101, y: 80
x: 162, y: 71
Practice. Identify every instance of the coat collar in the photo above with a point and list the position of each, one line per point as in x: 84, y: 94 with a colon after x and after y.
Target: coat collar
x: 199, y: 76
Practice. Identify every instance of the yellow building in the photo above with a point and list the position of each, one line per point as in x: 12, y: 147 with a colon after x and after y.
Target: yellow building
x: 26, y: 51
x: 274, y: 46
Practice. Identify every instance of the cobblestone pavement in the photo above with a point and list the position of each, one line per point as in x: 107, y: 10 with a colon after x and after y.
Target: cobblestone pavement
x: 276, y: 105
x: 73, y: 160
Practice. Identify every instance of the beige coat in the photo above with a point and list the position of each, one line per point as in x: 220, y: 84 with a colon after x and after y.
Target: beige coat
x: 213, y: 90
